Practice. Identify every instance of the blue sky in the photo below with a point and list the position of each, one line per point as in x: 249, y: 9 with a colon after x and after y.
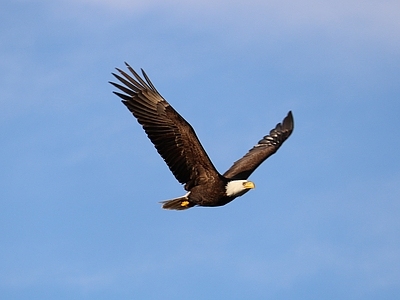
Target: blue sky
x: 79, y: 217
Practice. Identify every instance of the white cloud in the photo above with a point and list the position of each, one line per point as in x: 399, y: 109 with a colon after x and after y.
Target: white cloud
x: 376, y: 18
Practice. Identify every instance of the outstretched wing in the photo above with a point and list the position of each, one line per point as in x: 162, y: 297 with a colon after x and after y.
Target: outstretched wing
x: 173, y: 137
x: 242, y: 168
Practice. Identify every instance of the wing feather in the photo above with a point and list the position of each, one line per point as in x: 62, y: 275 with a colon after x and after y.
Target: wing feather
x: 172, y: 136
x: 243, y: 168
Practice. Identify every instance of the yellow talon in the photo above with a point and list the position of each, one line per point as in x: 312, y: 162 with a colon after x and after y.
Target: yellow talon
x: 185, y: 203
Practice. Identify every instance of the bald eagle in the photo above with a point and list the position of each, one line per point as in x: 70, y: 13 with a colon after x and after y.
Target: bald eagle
x: 177, y: 143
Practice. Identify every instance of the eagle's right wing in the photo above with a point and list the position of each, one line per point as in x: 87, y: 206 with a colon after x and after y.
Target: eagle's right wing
x: 242, y: 168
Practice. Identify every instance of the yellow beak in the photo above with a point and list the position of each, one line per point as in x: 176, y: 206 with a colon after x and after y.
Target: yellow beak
x: 249, y: 185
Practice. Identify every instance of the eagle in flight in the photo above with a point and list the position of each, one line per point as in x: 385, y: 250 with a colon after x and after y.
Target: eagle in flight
x: 177, y: 143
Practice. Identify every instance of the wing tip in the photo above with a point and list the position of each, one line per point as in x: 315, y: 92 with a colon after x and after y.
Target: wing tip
x: 288, y: 122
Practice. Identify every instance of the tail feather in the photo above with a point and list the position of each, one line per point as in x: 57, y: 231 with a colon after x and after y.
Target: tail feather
x: 180, y: 203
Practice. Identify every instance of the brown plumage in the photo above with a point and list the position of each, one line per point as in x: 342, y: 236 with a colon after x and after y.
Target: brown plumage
x: 177, y: 143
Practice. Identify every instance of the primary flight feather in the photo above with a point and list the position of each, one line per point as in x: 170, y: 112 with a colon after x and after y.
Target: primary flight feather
x: 177, y: 143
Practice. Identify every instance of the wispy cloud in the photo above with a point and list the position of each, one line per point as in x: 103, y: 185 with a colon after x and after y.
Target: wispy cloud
x: 378, y: 19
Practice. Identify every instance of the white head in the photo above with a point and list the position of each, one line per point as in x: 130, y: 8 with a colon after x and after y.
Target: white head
x: 237, y: 188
